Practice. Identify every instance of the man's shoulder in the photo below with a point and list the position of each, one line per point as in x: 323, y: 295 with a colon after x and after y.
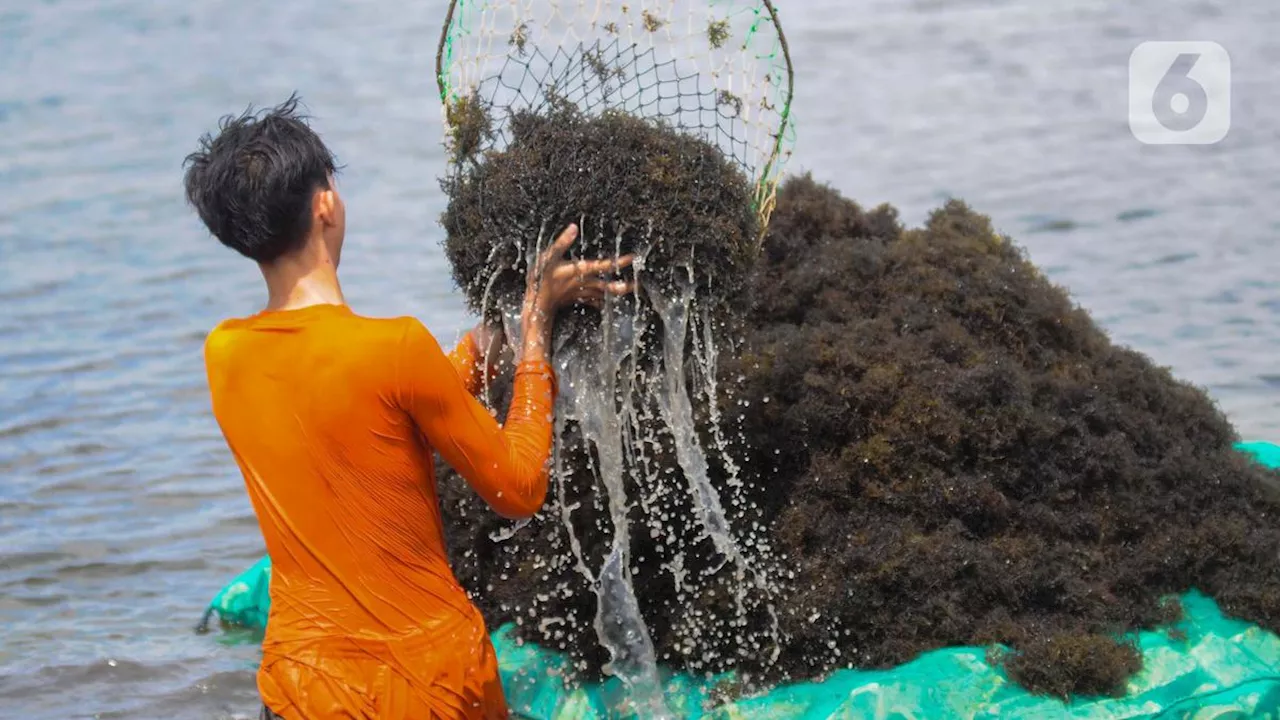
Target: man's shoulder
x: 340, y: 333
x: 387, y: 331
x: 218, y: 339
x: 325, y: 318
x: 375, y: 338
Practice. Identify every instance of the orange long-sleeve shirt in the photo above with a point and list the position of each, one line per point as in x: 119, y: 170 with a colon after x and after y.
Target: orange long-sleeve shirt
x: 332, y: 418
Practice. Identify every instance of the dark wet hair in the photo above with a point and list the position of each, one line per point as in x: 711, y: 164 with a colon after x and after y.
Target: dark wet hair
x: 253, y: 183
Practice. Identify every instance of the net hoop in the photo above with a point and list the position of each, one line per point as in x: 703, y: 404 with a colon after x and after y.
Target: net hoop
x: 765, y: 174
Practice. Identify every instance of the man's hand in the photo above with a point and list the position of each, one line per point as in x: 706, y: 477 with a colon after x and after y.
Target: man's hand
x: 555, y: 282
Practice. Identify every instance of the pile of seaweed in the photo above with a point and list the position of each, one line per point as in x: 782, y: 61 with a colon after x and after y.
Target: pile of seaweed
x: 941, y: 450
x: 951, y: 452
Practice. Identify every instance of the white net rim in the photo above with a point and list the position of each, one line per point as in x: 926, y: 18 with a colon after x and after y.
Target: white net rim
x: 767, y: 176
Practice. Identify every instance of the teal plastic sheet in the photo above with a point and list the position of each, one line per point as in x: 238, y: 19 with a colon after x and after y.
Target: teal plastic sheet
x: 1206, y: 667
x: 1264, y: 452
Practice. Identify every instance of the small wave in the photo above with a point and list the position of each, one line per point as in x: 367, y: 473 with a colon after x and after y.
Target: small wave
x: 26, y: 428
x: 1136, y: 214
x: 22, y: 560
x: 39, y: 683
x: 97, y: 570
x: 35, y: 290
x: 32, y: 601
x: 1166, y: 259
x: 1051, y: 225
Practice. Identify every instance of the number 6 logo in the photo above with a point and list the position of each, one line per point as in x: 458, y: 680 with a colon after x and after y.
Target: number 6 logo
x: 1179, y: 93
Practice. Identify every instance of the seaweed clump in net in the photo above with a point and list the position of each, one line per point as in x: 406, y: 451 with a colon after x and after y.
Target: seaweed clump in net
x: 951, y: 453
x: 633, y: 185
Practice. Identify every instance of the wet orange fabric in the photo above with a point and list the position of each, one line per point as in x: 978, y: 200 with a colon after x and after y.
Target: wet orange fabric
x: 332, y: 418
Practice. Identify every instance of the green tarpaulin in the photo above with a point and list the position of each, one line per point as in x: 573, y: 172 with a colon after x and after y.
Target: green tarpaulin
x: 1213, y: 667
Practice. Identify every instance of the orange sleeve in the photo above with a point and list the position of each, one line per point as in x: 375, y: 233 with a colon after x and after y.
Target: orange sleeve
x: 467, y: 361
x: 507, y: 466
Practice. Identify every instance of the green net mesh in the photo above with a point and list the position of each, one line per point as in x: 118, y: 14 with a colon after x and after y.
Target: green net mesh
x: 719, y: 69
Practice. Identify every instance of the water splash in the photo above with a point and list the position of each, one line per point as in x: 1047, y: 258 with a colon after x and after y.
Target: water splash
x: 627, y: 398
x: 593, y: 399
x: 677, y: 409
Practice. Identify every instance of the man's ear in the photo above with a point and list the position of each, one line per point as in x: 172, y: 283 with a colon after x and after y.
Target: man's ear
x: 326, y: 207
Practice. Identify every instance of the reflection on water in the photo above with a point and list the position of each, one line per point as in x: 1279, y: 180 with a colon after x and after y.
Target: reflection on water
x: 120, y: 509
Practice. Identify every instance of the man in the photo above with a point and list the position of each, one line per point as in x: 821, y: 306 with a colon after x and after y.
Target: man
x: 333, y: 419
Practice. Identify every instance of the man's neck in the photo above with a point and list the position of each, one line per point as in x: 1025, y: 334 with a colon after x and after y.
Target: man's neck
x: 302, y: 280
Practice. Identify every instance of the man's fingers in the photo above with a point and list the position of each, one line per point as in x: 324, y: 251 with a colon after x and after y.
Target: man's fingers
x: 616, y: 287
x: 600, y: 267
x: 589, y: 295
x: 593, y: 292
x: 562, y: 243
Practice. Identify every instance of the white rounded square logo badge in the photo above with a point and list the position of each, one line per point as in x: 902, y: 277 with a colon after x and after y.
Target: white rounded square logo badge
x: 1179, y: 93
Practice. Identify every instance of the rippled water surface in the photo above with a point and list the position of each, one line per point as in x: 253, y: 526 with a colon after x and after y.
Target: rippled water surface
x: 121, y: 512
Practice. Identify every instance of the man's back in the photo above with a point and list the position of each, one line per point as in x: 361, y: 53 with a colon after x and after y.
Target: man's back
x: 320, y: 409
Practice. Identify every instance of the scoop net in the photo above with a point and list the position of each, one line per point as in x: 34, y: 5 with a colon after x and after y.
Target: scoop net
x: 719, y: 69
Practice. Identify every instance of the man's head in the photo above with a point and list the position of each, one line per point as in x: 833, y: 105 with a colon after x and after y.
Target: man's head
x: 264, y: 186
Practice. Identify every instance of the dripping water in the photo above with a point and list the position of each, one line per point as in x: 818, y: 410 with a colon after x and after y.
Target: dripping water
x: 591, y: 398
x: 677, y: 410
x: 608, y: 394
